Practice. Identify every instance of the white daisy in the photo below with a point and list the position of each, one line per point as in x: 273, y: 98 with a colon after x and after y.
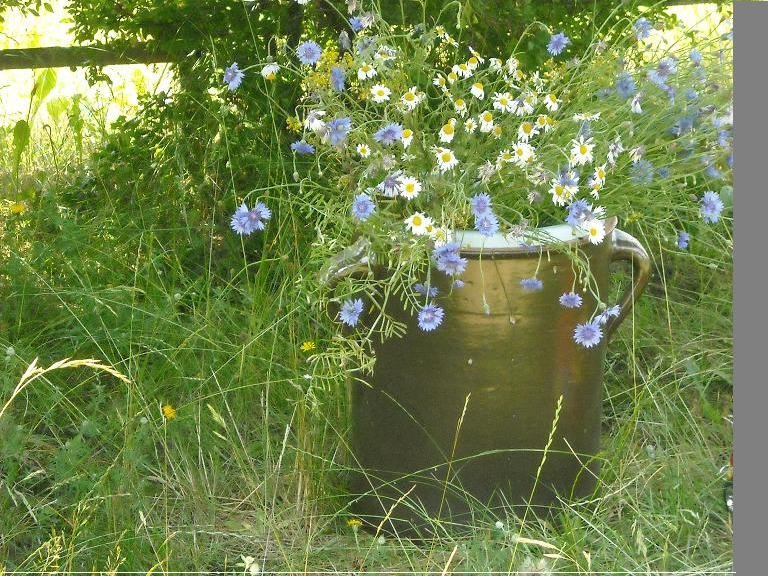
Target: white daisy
x: 486, y: 121
x: 366, y: 71
x: 503, y: 102
x: 407, y: 137
x: 462, y: 70
x: 551, y: 102
x: 380, y: 93
x: 448, y: 131
x: 524, y: 105
x: 446, y: 159
x: 477, y: 90
x: 409, y: 187
x: 526, y: 131
x: 581, y: 151
x: 560, y: 196
x: 364, y: 150
x: 544, y: 122
x: 452, y: 77
x: 470, y: 125
x: 418, y: 223
x: 314, y: 121
x: 269, y: 72
x: 494, y: 64
x: 523, y: 152
x: 595, y: 230
x: 411, y: 99
x: 600, y: 174
x: 439, y: 81
x: 505, y: 156
x: 460, y: 106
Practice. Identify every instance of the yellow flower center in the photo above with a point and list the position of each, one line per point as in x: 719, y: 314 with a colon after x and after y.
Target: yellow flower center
x: 446, y: 157
x: 473, y: 61
x: 477, y: 86
x: 487, y: 117
x: 583, y: 149
x: 410, y: 187
x: 527, y: 128
x: 448, y: 129
x: 410, y: 96
x: 407, y: 133
x: 460, y: 104
x: 417, y: 221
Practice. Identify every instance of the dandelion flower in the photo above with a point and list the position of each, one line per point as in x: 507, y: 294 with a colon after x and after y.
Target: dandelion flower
x: 588, y: 334
x: 233, y: 76
x: 18, y: 207
x: 169, y: 412
x: 307, y: 346
x: 350, y: 311
x: 430, y: 317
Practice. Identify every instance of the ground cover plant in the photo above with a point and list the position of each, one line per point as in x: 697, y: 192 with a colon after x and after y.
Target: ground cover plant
x: 172, y: 393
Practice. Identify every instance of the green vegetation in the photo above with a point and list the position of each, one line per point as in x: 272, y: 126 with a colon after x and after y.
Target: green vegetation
x: 158, y: 411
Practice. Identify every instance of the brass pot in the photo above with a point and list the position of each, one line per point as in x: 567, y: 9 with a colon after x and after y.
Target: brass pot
x: 458, y: 419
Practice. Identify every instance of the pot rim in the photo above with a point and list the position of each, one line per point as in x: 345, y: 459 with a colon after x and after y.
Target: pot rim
x: 473, y: 243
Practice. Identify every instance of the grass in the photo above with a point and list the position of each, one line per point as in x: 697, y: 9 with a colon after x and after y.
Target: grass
x: 94, y: 477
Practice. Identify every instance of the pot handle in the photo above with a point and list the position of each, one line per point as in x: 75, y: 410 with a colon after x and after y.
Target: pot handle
x: 353, y: 259
x: 627, y: 247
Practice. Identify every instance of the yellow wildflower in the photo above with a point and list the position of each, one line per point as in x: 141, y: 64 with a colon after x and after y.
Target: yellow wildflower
x: 308, y: 346
x: 169, y: 412
x: 18, y: 207
x: 354, y: 523
x: 293, y: 124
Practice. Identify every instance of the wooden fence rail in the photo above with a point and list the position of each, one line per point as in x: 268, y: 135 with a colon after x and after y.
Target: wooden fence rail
x: 75, y: 56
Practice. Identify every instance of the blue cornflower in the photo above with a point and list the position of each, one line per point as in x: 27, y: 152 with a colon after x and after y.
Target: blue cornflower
x: 683, y: 126
x: 568, y: 178
x: 642, y: 28
x: 696, y: 57
x: 641, y: 172
x: 337, y: 79
x: 671, y: 92
x: 724, y: 138
x: 585, y: 129
x: 356, y: 24
x: 390, y: 186
x: 711, y: 206
x: 338, y: 129
x: 604, y: 92
x: 531, y: 284
x: 362, y: 207
x: 487, y: 224
x: 557, y: 43
x: 570, y: 300
x: 233, y: 76
x: 389, y: 134
x: 448, y: 260
x: 420, y: 288
x: 667, y: 66
x: 350, y: 311
x: 303, y: 148
x: 309, y: 52
x: 605, y: 315
x: 480, y: 203
x: 682, y: 239
x: 579, y: 212
x: 656, y: 78
x: 663, y: 172
x: 713, y: 171
x: 458, y: 283
x: 625, y: 85
x: 691, y: 94
x: 245, y: 221
x: 588, y: 335
x: 430, y: 317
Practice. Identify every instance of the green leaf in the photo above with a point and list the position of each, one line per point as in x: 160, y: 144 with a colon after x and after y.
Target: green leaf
x: 44, y: 83
x: 21, y: 135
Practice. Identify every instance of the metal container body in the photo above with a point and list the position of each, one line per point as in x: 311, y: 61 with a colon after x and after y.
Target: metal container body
x: 459, y: 418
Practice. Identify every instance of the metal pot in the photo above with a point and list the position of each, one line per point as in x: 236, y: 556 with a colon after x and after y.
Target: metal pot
x: 463, y: 418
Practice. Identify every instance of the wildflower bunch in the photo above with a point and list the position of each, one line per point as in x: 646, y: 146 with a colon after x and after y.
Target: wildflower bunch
x: 418, y: 137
